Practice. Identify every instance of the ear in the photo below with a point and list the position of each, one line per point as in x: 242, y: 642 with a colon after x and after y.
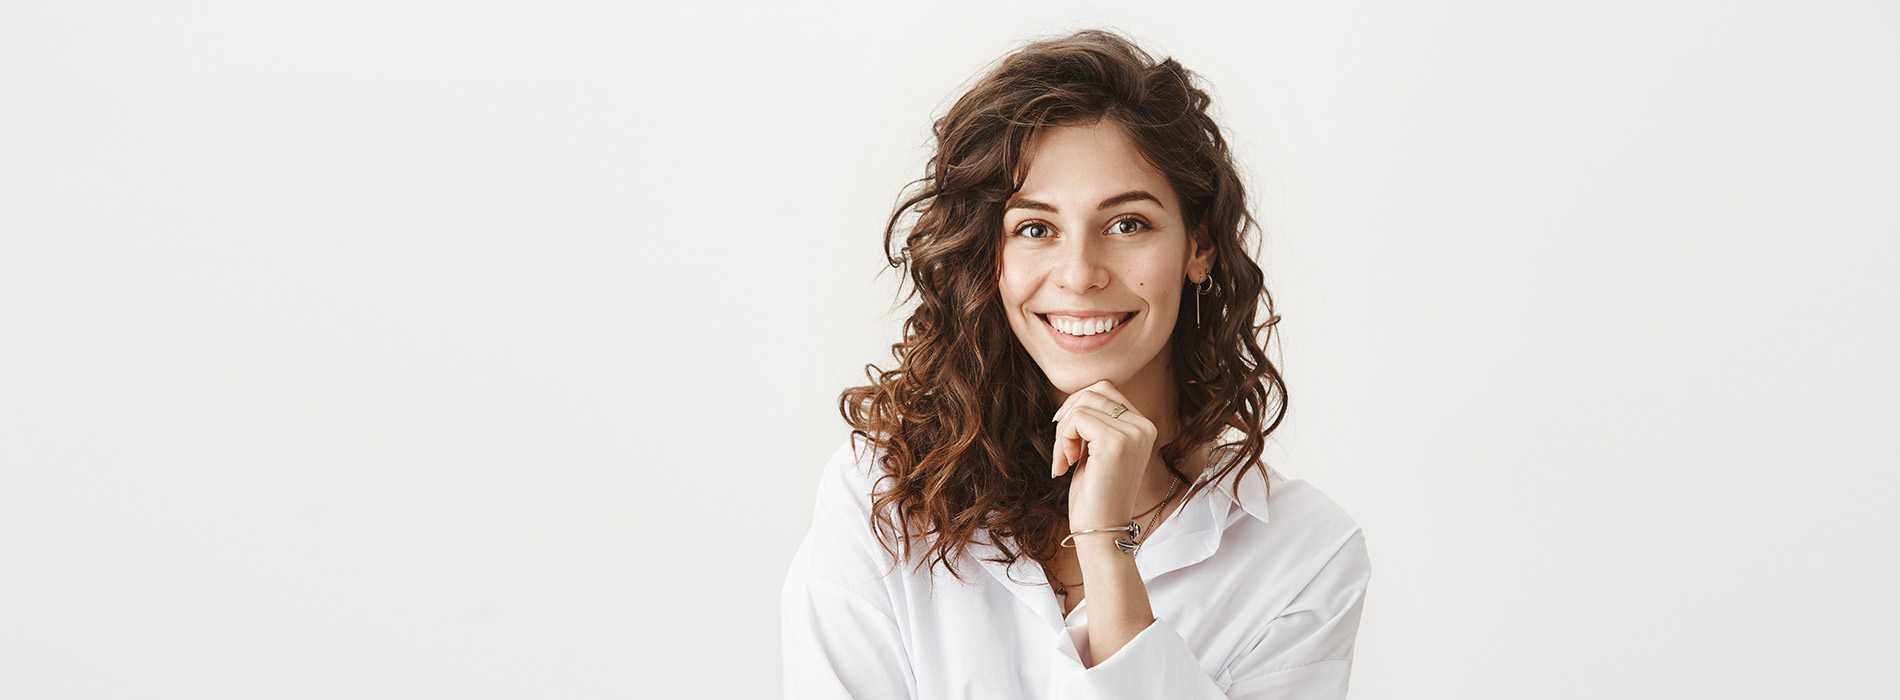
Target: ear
x: 1200, y: 253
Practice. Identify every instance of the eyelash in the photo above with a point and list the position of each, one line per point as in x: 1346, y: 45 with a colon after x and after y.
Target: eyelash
x: 1145, y: 226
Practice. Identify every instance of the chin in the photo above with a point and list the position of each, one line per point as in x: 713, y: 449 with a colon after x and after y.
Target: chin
x: 1069, y: 380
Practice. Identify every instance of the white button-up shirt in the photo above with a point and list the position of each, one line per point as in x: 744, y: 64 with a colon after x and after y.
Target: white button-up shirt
x: 1245, y: 606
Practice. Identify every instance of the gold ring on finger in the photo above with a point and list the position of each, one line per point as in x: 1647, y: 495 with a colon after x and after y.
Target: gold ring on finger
x: 1118, y: 410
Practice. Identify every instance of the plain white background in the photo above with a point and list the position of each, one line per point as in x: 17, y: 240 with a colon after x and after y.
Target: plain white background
x: 491, y: 350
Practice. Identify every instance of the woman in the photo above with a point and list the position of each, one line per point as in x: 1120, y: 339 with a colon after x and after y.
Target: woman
x: 1038, y: 500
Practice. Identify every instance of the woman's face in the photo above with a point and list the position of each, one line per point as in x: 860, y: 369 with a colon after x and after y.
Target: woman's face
x: 1095, y: 258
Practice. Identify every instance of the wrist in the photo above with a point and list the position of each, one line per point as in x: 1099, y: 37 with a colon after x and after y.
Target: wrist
x: 1099, y: 542
x: 1127, y: 537
x: 1084, y: 518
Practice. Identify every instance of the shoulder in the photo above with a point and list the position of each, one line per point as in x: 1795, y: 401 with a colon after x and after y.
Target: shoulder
x: 850, y: 476
x: 1295, y: 528
x: 1328, y: 538
x: 1306, y: 570
x: 841, y: 559
x: 1286, y: 506
x: 842, y: 536
x: 1299, y: 503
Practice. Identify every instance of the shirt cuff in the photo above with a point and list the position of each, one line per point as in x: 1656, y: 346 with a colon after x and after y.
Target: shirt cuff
x: 1157, y: 663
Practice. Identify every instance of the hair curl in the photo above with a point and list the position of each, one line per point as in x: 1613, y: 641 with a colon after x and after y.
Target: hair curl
x: 962, y: 420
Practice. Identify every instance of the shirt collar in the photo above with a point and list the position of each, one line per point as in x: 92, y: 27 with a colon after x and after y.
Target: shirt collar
x: 1249, y: 491
x: 1188, y: 538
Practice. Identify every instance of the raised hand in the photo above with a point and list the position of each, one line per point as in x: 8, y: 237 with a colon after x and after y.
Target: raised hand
x: 1110, y: 445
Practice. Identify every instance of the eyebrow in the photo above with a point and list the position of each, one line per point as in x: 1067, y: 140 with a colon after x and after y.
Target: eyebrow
x: 1123, y: 198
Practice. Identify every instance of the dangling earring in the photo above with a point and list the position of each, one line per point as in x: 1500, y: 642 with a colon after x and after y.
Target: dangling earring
x: 1201, y: 289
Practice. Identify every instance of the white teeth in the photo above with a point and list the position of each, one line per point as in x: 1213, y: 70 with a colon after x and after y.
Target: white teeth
x: 1084, y: 327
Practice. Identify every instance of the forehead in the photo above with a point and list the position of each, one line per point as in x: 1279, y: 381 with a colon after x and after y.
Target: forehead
x: 1085, y: 161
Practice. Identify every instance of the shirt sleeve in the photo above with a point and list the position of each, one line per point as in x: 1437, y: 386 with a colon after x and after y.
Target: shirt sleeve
x: 1157, y: 663
x: 1304, y: 654
x: 838, y: 631
x: 839, y: 644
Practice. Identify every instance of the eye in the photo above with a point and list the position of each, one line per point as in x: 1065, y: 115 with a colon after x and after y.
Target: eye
x: 1129, y: 225
x: 1032, y: 229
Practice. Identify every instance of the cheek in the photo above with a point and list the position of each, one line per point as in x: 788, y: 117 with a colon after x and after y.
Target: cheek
x: 1157, y: 286
x: 1014, y: 288
x: 1009, y: 292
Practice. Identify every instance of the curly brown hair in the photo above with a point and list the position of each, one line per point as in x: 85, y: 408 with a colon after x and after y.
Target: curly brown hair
x: 963, y: 419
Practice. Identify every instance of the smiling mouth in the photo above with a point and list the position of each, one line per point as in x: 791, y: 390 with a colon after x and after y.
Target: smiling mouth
x: 1084, y: 327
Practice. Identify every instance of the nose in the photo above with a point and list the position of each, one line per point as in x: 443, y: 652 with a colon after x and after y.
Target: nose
x: 1079, y: 265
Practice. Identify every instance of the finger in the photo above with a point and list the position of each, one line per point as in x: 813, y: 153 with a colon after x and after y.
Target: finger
x: 1067, y: 404
x: 1062, y: 458
x: 1083, y: 395
x: 1084, y: 398
x: 1070, y: 450
x: 1093, y: 425
x: 1107, y: 388
x: 1088, y: 432
x: 1100, y: 401
x: 1077, y: 455
x: 1120, y: 413
x: 1070, y: 454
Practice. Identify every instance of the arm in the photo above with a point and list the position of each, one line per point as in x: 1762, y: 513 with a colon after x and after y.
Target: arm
x: 839, y: 635
x: 1118, y: 600
x: 1307, y: 650
x: 1305, y: 653
x: 1107, y: 444
x: 838, y: 643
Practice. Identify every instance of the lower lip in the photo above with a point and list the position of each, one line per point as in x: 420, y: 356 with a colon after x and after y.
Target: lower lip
x: 1084, y: 343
